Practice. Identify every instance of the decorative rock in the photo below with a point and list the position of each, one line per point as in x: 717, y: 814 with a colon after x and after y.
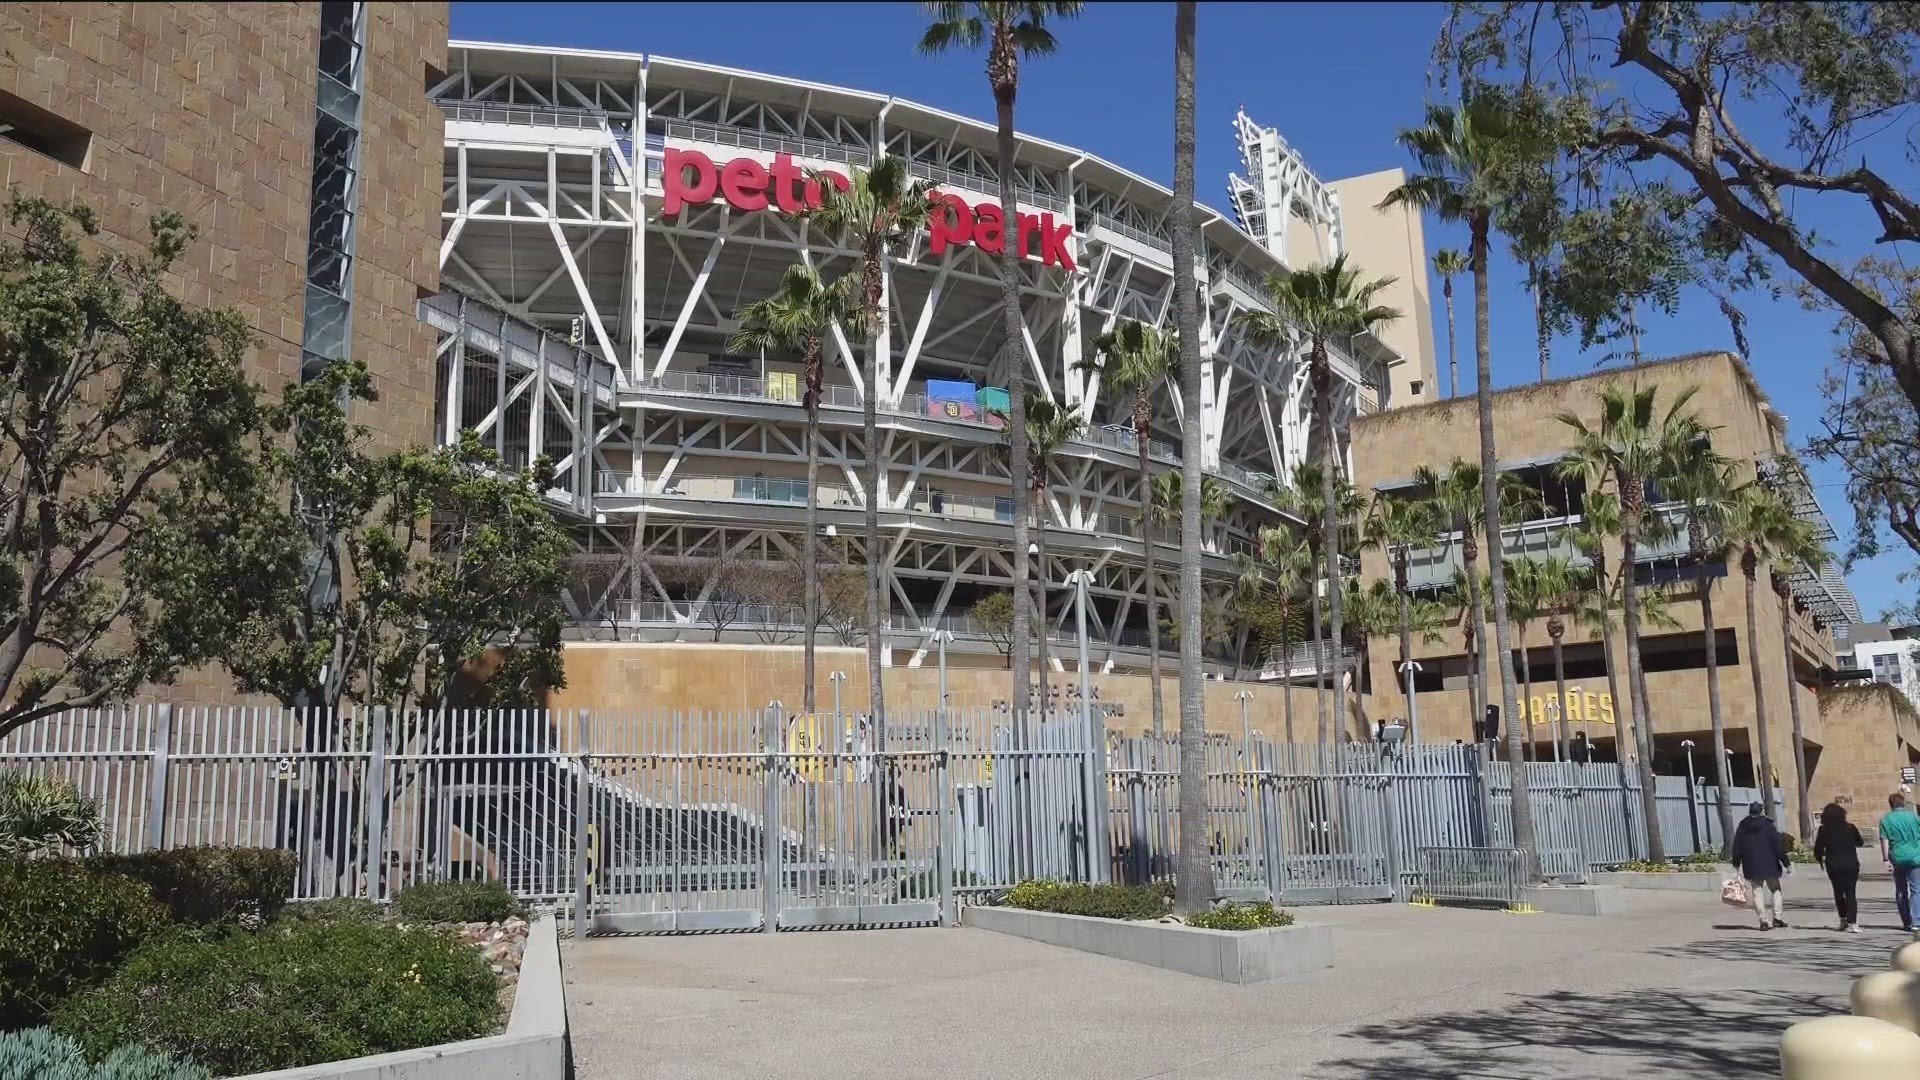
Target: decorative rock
x: 1893, y: 996
x: 1907, y: 957
x: 1848, y: 1048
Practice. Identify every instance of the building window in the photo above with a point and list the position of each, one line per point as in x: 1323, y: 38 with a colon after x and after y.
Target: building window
x: 45, y: 133
x: 332, y: 212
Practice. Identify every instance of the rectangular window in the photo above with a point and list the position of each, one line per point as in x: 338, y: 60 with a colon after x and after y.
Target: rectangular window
x: 45, y: 133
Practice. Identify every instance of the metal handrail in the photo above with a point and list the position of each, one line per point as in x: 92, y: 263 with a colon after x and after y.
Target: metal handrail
x: 728, y: 135
x: 495, y: 112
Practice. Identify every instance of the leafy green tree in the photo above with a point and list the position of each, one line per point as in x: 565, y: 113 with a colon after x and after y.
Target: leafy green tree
x: 1694, y: 95
x: 1010, y: 31
x: 1634, y: 443
x: 1449, y: 264
x: 993, y: 616
x: 1193, y: 873
x: 1323, y: 303
x: 1465, y: 158
x: 123, y: 410
x: 1135, y: 359
x: 881, y: 207
x: 798, y: 318
x: 391, y: 576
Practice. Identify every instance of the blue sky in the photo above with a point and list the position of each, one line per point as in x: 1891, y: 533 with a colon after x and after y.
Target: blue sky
x: 1337, y: 80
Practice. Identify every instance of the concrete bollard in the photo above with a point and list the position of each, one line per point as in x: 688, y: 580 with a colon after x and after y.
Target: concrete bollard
x: 1893, y: 996
x: 1907, y: 957
x: 1848, y: 1048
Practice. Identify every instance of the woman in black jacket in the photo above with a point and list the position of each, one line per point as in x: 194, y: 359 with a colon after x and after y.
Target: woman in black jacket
x: 1837, y: 848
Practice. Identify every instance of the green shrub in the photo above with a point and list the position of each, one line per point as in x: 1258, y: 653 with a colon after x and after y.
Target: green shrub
x: 1646, y: 866
x: 62, y: 928
x: 39, y: 812
x: 297, y: 993
x: 457, y: 901
x: 1230, y: 916
x: 208, y: 885
x: 338, y: 909
x: 1099, y: 901
x: 40, y: 1054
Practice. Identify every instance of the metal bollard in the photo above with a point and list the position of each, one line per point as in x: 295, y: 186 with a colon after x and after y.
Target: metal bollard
x: 1893, y: 996
x: 1848, y: 1048
x: 1907, y: 957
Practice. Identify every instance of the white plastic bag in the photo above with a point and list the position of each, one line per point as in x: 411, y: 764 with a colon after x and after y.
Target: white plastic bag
x: 1734, y: 893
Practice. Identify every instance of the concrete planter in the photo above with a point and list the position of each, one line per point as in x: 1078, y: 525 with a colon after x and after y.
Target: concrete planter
x: 1580, y: 899
x: 534, y: 1046
x: 1690, y: 881
x: 1234, y: 956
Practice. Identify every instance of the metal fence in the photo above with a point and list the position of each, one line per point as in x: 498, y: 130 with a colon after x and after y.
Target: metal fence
x: 663, y: 821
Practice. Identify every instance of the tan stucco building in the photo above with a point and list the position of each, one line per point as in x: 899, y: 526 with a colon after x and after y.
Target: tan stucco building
x: 1856, y: 741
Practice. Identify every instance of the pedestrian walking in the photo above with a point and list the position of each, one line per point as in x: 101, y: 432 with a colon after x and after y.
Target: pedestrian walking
x: 1760, y: 854
x: 1900, y: 847
x: 1836, y: 847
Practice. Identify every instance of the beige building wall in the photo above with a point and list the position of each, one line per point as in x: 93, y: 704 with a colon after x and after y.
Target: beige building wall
x: 1387, y: 448
x: 1393, y: 243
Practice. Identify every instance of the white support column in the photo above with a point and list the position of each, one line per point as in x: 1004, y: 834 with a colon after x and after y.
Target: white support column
x: 883, y: 321
x: 637, y: 246
x: 1033, y: 358
x: 1210, y: 406
x: 686, y: 309
x: 456, y: 379
x: 919, y: 338
x: 1276, y: 461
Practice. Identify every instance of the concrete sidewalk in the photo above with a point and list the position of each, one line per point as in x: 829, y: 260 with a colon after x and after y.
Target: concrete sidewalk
x: 1681, y: 988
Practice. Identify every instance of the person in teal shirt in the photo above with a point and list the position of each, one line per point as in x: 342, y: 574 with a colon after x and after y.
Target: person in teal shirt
x: 1900, y: 844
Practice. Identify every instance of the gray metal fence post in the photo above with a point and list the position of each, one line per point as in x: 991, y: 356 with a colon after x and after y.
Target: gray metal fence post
x: 943, y: 794
x: 157, y: 779
x: 770, y: 819
x: 582, y: 817
x: 376, y: 810
x: 1389, y: 805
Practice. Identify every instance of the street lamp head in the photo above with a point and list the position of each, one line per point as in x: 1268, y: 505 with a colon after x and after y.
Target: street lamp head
x: 1687, y: 743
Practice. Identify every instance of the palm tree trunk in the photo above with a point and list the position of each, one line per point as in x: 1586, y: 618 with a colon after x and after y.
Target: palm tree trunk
x: 1194, y: 875
x: 1524, y: 665
x: 1763, y: 773
x: 1723, y: 803
x: 1475, y: 706
x: 1560, y: 694
x: 1319, y: 658
x: 1322, y: 375
x: 1140, y: 436
x: 1286, y: 653
x: 810, y: 546
x: 1013, y: 361
x: 1637, y: 679
x: 1805, y: 814
x: 869, y: 427
x: 1044, y: 621
x: 1453, y: 355
x: 1406, y: 641
x: 1490, y: 500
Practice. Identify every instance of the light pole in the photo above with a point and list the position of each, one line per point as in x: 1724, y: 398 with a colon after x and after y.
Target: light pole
x: 836, y: 678
x: 1693, y: 816
x: 1409, y: 668
x: 1244, y: 696
x: 943, y: 788
x: 1553, y: 728
x: 1080, y: 580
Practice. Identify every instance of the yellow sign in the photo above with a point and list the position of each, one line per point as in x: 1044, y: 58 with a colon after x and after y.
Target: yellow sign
x: 986, y: 769
x: 1579, y: 708
x: 806, y: 739
x: 783, y: 385
x: 813, y: 747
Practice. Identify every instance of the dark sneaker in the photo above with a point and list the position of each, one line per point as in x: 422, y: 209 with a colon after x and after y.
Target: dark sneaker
x: 1779, y: 925
x: 1766, y: 926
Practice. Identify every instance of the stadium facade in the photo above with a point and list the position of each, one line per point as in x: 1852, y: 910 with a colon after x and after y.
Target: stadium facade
x: 607, y: 215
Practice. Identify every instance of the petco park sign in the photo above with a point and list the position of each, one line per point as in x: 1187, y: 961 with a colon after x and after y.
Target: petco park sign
x: 692, y: 179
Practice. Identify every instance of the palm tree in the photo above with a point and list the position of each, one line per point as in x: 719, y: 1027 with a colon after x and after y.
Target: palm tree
x: 1757, y: 525
x: 1050, y: 427
x: 1563, y: 588
x: 1306, y: 497
x: 1324, y: 302
x: 1798, y: 551
x: 1396, y: 527
x: 1135, y: 359
x: 1193, y: 876
x: 1600, y: 522
x: 1632, y: 444
x: 1289, y: 560
x: 1009, y: 31
x: 797, y: 319
x: 1449, y: 263
x: 1169, y: 494
x: 1374, y: 610
x: 1459, y: 153
x: 1526, y: 602
x: 1705, y: 489
x: 879, y: 209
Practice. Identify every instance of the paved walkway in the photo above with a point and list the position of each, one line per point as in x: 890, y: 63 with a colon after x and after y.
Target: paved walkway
x: 1681, y: 988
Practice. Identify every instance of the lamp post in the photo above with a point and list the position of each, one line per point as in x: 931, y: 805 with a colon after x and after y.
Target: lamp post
x: 1553, y: 729
x: 836, y: 678
x: 1080, y: 580
x: 1243, y: 696
x: 943, y: 787
x: 1409, y: 668
x: 1693, y: 816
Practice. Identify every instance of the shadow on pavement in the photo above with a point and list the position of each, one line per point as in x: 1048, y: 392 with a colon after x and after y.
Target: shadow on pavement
x: 1660, y: 1034
x: 1824, y: 952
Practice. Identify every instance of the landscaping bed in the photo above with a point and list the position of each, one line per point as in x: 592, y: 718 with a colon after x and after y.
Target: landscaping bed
x: 1232, y: 942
